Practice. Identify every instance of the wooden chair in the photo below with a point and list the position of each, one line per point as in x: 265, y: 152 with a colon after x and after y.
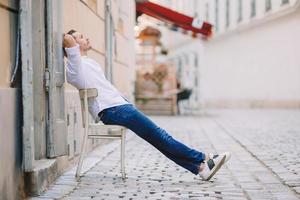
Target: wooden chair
x: 111, y: 131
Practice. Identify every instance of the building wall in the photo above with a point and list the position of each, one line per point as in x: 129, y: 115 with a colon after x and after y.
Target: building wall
x: 88, y: 17
x: 10, y: 107
x: 10, y: 144
x: 91, y: 22
x: 255, y: 67
x: 7, y: 50
x: 124, y: 53
x: 207, y: 10
x: 250, y: 62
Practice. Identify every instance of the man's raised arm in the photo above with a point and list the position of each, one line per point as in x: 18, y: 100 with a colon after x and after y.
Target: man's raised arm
x: 74, y: 60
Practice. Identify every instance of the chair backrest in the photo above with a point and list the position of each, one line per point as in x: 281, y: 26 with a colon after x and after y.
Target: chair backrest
x: 91, y: 92
x: 184, y: 94
x: 84, y: 95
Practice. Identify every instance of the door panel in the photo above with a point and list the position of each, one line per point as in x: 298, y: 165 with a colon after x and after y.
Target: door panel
x: 57, y: 128
x: 38, y: 64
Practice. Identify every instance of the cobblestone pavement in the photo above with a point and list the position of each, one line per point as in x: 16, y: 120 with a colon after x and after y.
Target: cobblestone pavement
x: 265, y: 161
x: 272, y: 137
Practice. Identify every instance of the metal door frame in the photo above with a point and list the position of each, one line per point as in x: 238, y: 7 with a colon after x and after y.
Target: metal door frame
x: 109, y: 37
x: 51, y: 80
x: 27, y: 84
x: 55, y: 78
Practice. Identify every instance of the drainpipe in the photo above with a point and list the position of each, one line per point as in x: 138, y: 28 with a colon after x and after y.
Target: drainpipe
x: 17, y: 56
x: 108, y: 41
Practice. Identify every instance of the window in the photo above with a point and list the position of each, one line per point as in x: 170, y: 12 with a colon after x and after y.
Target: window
x: 196, y: 7
x: 207, y: 12
x: 240, y: 11
x: 186, y: 59
x: 284, y: 2
x: 268, y: 5
x: 253, y: 8
x: 179, y: 68
x: 217, y: 15
x: 196, y: 60
x: 227, y: 13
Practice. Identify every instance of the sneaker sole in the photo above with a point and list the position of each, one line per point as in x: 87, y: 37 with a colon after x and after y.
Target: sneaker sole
x: 216, y: 168
x: 228, y: 156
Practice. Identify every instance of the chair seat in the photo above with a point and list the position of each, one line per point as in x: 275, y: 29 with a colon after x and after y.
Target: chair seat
x: 105, y: 130
x: 102, y: 127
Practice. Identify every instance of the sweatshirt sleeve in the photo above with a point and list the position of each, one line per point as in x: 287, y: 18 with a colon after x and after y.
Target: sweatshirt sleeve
x: 74, y: 67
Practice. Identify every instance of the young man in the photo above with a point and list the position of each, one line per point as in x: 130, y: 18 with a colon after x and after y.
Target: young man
x: 111, y: 108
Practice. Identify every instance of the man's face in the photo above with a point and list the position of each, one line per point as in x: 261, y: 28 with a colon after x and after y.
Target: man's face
x: 83, y: 42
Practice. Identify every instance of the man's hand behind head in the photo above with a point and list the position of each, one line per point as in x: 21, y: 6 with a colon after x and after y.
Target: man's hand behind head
x: 69, y: 41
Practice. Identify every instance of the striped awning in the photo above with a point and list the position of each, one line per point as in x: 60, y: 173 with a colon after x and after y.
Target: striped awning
x: 174, y: 18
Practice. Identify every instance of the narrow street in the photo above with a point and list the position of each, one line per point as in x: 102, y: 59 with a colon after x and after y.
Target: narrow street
x: 217, y: 75
x: 265, y: 161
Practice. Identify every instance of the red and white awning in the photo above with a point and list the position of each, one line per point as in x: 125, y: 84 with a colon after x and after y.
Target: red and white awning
x: 174, y: 18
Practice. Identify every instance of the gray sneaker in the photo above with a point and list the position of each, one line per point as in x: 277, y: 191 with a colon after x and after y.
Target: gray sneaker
x: 227, y: 154
x: 211, y: 166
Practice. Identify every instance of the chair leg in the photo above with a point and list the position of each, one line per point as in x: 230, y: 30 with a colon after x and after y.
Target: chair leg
x: 123, y: 154
x: 82, y: 153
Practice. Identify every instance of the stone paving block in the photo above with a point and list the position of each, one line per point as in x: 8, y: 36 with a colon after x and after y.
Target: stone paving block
x: 286, y: 196
x: 58, y: 191
x: 297, y: 189
x: 66, y: 180
x: 234, y: 198
x: 76, y: 198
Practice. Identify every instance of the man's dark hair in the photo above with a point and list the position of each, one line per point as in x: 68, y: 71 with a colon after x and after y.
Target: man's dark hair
x: 70, y: 32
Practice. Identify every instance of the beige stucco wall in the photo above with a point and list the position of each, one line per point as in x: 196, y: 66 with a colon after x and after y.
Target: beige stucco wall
x: 10, y: 144
x: 88, y: 17
x: 10, y: 109
x: 8, y: 36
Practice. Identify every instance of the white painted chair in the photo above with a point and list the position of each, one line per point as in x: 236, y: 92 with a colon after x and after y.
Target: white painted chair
x: 111, y: 131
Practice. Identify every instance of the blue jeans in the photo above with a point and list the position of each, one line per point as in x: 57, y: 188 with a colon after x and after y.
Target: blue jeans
x: 130, y: 117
